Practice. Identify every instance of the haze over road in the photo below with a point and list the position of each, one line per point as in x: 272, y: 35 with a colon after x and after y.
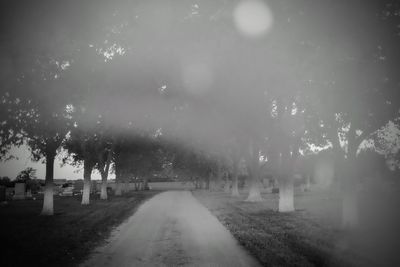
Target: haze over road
x: 171, y: 229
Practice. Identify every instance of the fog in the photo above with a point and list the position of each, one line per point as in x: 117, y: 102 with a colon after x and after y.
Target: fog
x: 269, y: 79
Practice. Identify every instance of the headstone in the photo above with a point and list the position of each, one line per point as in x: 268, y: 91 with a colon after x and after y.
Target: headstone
x: 98, y: 187
x: 9, y: 192
x: 19, y: 191
x: 2, y: 193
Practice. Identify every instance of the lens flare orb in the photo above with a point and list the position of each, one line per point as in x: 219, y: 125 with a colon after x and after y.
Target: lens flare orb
x: 252, y: 18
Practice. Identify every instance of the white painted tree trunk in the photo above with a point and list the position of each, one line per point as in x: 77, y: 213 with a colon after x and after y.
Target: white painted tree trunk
x: 350, y: 175
x: 87, y: 171
x: 235, y: 186
x: 218, y: 182
x: 254, y: 171
x: 103, y: 193
x: 48, y: 206
x: 104, y: 176
x: 254, y: 192
x: 235, y: 180
x: 254, y: 189
x: 86, y: 193
x: 286, y: 195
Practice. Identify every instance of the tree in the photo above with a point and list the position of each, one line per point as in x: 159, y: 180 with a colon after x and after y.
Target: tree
x: 36, y: 89
x: 82, y: 145
x: 144, y: 157
x: 103, y: 165
x: 5, y: 181
x: 25, y: 175
x: 352, y: 84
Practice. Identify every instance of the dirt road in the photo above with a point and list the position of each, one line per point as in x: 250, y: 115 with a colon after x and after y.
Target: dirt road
x: 171, y: 229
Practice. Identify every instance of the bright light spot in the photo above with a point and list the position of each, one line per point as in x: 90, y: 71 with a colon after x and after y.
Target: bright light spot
x: 158, y: 132
x: 316, y: 149
x: 365, y: 145
x: 252, y: 17
x: 111, y: 51
x: 162, y: 89
x: 294, y: 111
x: 274, y: 110
x: 194, y: 12
x: 65, y: 65
x: 195, y: 9
x: 69, y: 108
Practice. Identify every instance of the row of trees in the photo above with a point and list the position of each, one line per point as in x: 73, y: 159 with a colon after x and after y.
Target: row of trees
x: 142, y: 85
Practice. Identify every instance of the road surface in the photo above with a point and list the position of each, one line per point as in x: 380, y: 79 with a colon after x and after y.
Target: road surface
x: 171, y: 229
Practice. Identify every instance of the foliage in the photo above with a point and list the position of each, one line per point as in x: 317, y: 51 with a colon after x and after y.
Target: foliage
x: 26, y: 175
x: 5, y: 181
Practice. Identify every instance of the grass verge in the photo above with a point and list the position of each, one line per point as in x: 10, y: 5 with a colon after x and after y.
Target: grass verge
x: 66, y: 238
x: 282, y: 239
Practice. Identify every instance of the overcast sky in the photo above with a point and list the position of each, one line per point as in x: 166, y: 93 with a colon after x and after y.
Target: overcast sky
x: 11, y: 168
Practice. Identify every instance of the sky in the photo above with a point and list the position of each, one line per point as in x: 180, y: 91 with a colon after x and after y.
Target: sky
x: 11, y: 168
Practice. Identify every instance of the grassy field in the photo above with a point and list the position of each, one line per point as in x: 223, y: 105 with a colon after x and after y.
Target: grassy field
x: 310, y: 236
x: 64, y: 239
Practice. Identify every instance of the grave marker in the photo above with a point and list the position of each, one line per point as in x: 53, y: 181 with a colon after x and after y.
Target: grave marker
x: 19, y: 191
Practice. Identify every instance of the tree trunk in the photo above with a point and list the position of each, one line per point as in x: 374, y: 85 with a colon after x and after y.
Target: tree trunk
x: 87, y: 171
x: 235, y: 182
x: 146, y: 183
x: 218, y: 181
x: 104, y: 175
x: 286, y: 179
x: 254, y: 171
x: 235, y: 186
x: 48, y: 206
x: 118, y: 187
x: 103, y: 194
x: 124, y: 188
x: 254, y: 192
x: 349, y: 203
x: 227, y: 185
x: 208, y: 179
x: 286, y: 195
